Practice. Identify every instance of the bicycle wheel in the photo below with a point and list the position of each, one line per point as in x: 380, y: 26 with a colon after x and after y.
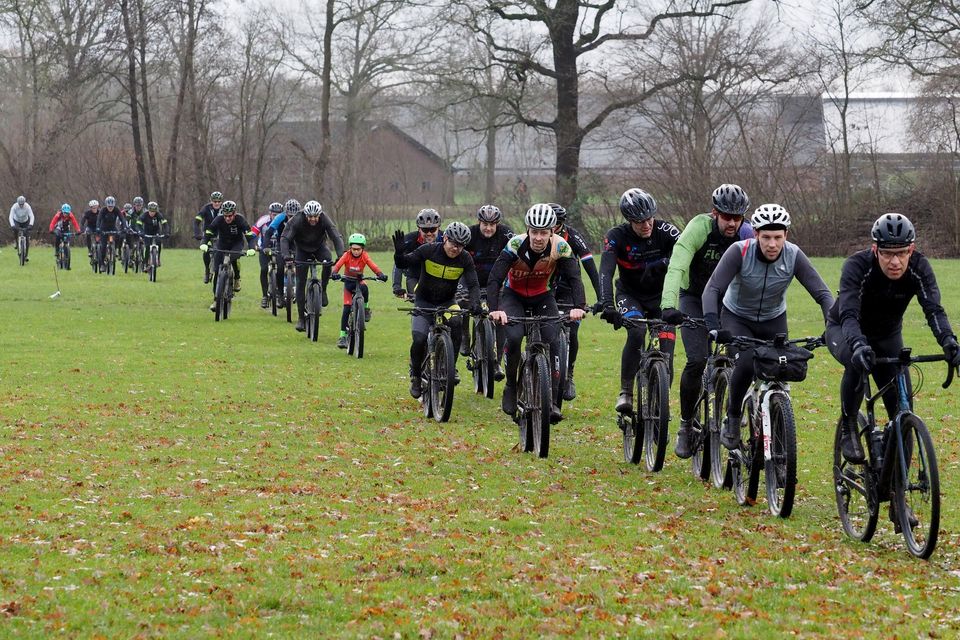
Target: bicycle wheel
x: 563, y: 359
x: 656, y: 415
x: 632, y: 425
x: 855, y: 489
x: 485, y: 362
x: 745, y: 467
x: 220, y: 295
x: 96, y: 259
x: 313, y: 311
x: 66, y: 256
x: 522, y: 416
x: 111, y: 260
x: 700, y: 425
x: 272, y: 287
x: 154, y: 263
x: 720, y: 474
x: 539, y: 405
x: 441, y: 377
x: 125, y: 257
x: 289, y: 293
x: 358, y: 326
x: 780, y: 471
x: 22, y: 249
x: 920, y: 496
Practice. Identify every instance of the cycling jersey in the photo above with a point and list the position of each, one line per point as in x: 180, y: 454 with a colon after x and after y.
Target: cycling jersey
x: 21, y: 215
x: 108, y: 220
x: 754, y: 288
x: 485, y: 251
x: 438, y: 273
x: 530, y: 274
x: 411, y: 241
x: 310, y: 238
x: 230, y: 234
x: 204, y: 217
x: 871, y: 305
x: 580, y: 248
x: 151, y: 225
x: 642, y: 262
x: 89, y: 219
x: 353, y: 266
x: 260, y: 227
x: 61, y: 222
x: 695, y: 256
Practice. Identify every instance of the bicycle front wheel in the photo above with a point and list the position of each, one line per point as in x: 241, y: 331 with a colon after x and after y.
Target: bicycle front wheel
x: 855, y: 491
x: 66, y: 256
x: 442, y: 377
x: 272, y: 288
x: 719, y: 464
x: 357, y: 328
x: 563, y: 358
x: 220, y: 296
x: 917, y: 488
x: 313, y: 311
x: 125, y: 257
x: 485, y: 357
x: 780, y: 471
x: 288, y: 296
x: 656, y: 415
x: 540, y: 400
x: 745, y: 466
x: 154, y: 264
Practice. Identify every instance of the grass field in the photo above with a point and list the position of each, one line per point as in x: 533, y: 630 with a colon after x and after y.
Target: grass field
x: 168, y: 476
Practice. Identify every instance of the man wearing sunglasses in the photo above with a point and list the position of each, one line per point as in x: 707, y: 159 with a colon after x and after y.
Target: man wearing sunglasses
x: 866, y: 321
x: 696, y: 254
x: 428, y: 232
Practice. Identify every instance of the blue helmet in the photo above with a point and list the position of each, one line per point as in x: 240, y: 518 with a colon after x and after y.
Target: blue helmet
x: 65, y: 208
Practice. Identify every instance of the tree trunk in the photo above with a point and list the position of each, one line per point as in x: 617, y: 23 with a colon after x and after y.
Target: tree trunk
x: 154, y: 174
x: 323, y: 159
x: 490, y: 187
x: 568, y: 132
x: 132, y: 94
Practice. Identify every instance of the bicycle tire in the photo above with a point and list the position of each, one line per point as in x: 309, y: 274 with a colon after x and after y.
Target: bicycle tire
x: 220, y: 297
x: 656, y: 413
x: 563, y: 362
x: 96, y: 259
x: 313, y: 311
x: 922, y: 492
x: 125, y: 257
x: 22, y: 249
x: 111, y: 260
x: 541, y: 401
x: 359, y: 326
x: 272, y: 288
x: 522, y: 416
x: 66, y: 257
x: 780, y: 471
x: 745, y: 469
x: 441, y: 377
x: 488, y: 357
x: 854, y: 486
x: 289, y: 293
x: 154, y: 264
x: 700, y: 426
x: 720, y: 474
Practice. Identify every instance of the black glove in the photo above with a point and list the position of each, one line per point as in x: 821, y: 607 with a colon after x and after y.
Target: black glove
x: 398, y: 242
x: 671, y: 315
x: 863, y: 357
x: 721, y: 336
x: 335, y: 276
x: 400, y: 293
x: 597, y: 307
x: 611, y: 315
x: 952, y: 350
x: 195, y: 236
x: 712, y: 321
x: 382, y: 277
x: 476, y: 309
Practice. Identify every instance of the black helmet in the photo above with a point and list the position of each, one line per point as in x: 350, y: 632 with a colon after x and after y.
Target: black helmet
x: 893, y: 230
x: 229, y: 206
x: 428, y: 218
x: 489, y: 213
x: 292, y: 207
x: 637, y: 205
x: 731, y: 200
x: 458, y: 233
x: 560, y: 211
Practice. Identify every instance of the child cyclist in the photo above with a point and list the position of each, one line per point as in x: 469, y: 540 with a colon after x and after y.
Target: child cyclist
x: 353, y: 261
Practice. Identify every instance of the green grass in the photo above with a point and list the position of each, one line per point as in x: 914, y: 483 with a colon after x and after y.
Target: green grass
x: 168, y: 476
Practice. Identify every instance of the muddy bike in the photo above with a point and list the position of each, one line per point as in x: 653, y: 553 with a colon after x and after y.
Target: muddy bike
x: 62, y: 253
x: 438, y: 370
x: 223, y: 291
x: 153, y: 257
x: 357, y: 319
x: 900, y: 466
x: 768, y: 431
x: 535, y: 386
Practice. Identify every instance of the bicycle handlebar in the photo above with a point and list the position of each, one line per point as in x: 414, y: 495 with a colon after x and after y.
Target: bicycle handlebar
x: 906, y: 359
x: 807, y: 342
x: 355, y: 279
x: 563, y: 317
x: 319, y: 263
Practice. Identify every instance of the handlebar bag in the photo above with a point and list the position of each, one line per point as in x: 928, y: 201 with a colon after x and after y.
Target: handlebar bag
x: 784, y: 364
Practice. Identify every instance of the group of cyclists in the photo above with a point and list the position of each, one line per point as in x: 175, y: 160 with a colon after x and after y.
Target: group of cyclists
x: 101, y: 225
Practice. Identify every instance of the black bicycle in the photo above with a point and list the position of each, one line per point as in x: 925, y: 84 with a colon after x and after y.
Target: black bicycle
x: 153, y: 258
x: 313, y: 298
x: 109, y: 265
x: 22, y: 245
x: 482, y: 354
x: 272, y: 267
x: 901, y: 466
x: 768, y: 431
x: 62, y: 254
x: 357, y: 320
x: 534, y: 393
x: 289, y: 288
x: 223, y: 293
x: 438, y: 371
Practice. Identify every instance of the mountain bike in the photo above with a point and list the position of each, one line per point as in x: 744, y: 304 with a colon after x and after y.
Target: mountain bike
x: 646, y: 427
x: 110, y: 254
x: 22, y: 245
x: 62, y: 254
x: 272, y: 290
x: 901, y: 466
x: 289, y: 288
x: 357, y: 320
x: 563, y: 351
x: 136, y: 253
x: 438, y: 370
x: 126, y: 253
x: 223, y: 294
x: 534, y: 392
x: 768, y: 431
x: 313, y: 298
x: 153, y: 259
x: 482, y: 355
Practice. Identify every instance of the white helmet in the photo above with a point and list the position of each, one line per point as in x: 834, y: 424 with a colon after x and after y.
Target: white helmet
x: 93, y: 203
x: 770, y: 216
x: 312, y: 208
x: 540, y: 216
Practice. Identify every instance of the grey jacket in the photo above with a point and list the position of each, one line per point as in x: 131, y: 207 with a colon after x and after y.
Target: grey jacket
x: 22, y: 214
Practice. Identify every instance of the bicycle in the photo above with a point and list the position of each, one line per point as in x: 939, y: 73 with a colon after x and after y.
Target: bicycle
x: 768, y: 431
x: 482, y: 355
x: 289, y: 288
x: 135, y: 259
x: 438, y: 371
x: 109, y: 265
x: 62, y: 253
x: 272, y: 275
x: 535, y: 393
x: 646, y: 427
x: 22, y: 245
x: 357, y: 320
x: 153, y: 259
x: 223, y: 294
x: 900, y: 467
x: 313, y: 305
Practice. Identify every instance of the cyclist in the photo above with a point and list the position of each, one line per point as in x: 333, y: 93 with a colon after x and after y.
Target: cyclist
x: 110, y: 218
x: 641, y: 247
x: 525, y: 272
x: 565, y: 294
x: 695, y: 256
x: 152, y: 223
x: 89, y: 223
x: 259, y: 228
x: 309, y: 231
x: 21, y: 218
x: 61, y: 223
x: 438, y: 268
x: 866, y: 321
x: 290, y: 209
x: 487, y: 239
x: 204, y: 217
x: 353, y: 261
x: 752, y: 279
x: 230, y: 229
x: 428, y: 231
